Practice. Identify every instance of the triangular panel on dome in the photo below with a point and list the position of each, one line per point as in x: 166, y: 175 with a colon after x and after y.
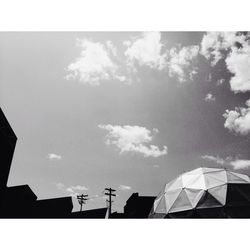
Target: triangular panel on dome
x: 218, y: 175
x: 177, y: 184
x: 156, y: 216
x: 159, y: 196
x: 198, y: 183
x: 208, y: 201
x: 182, y: 203
x: 157, y: 201
x: 219, y: 193
x: 232, y: 178
x: 194, y: 195
x: 209, y: 170
x: 214, y: 179
x: 166, y: 186
x: 161, y: 192
x: 188, y: 179
x: 161, y: 207
x: 170, y: 197
x: 242, y: 176
x: 194, y: 172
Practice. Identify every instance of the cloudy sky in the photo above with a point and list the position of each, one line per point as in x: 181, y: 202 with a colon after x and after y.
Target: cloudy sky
x: 124, y: 110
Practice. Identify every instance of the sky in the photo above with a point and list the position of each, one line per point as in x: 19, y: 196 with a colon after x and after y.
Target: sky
x: 127, y: 110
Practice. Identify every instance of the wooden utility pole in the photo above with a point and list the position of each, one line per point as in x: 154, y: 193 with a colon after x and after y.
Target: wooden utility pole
x: 81, y: 199
x: 110, y: 194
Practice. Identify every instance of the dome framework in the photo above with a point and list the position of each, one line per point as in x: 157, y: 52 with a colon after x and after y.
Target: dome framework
x: 204, y: 192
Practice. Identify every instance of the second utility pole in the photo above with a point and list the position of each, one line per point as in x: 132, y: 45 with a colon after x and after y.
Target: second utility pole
x: 110, y: 194
x: 81, y: 199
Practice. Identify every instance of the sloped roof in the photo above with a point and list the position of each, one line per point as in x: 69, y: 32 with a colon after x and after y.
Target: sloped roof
x: 197, y: 189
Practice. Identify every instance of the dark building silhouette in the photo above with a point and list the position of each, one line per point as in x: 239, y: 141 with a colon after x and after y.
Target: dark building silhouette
x: 20, y: 201
x: 99, y: 213
x: 17, y: 201
x: 53, y: 208
x: 7, y: 147
x: 138, y: 206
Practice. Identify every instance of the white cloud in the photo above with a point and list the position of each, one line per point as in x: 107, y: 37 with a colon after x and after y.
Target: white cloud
x: 235, y: 49
x: 146, y: 50
x: 236, y: 163
x: 94, y: 64
x: 111, y: 47
x: 78, y: 187
x: 121, y: 78
x: 133, y: 139
x: 53, y: 156
x: 180, y: 62
x: 214, y: 44
x: 238, y: 120
x: 209, y: 97
x: 156, y: 166
x: 124, y: 187
x: 240, y: 164
x: 238, y: 63
x: 216, y: 159
x: 60, y: 185
x: 76, y: 190
x: 72, y: 190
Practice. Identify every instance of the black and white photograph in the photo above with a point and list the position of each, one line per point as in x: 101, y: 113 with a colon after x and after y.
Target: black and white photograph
x: 124, y: 125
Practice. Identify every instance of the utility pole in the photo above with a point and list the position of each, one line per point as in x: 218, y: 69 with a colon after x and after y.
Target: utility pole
x: 81, y: 199
x: 110, y: 194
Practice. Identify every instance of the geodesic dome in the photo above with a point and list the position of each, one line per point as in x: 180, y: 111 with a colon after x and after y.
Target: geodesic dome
x: 198, y: 192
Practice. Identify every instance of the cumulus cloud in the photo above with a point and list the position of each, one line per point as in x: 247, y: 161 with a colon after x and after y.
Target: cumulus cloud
x: 134, y: 139
x: 240, y: 164
x: 180, y: 63
x: 216, y: 159
x: 124, y: 187
x: 238, y: 63
x: 234, y: 48
x: 72, y: 190
x: 156, y: 166
x: 60, y: 185
x: 213, y: 44
x: 111, y: 47
x: 236, y: 163
x: 94, y: 63
x: 238, y: 120
x: 146, y: 50
x: 53, y: 156
x: 209, y: 97
x: 76, y: 190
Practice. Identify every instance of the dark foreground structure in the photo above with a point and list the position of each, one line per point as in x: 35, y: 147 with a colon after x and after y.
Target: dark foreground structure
x: 137, y: 207
x: 99, y: 213
x: 28, y: 205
